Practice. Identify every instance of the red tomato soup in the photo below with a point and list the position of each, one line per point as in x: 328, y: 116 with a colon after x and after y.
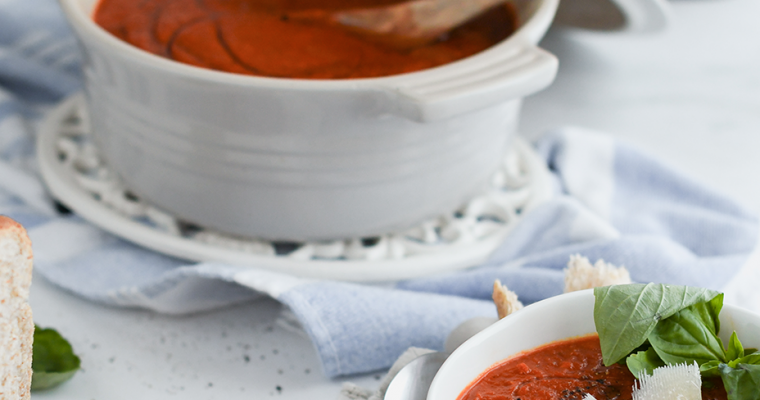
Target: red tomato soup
x: 563, y: 370
x: 257, y: 37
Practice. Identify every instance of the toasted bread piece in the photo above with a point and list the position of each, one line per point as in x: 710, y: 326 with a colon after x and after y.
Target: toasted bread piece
x: 16, y: 324
x: 580, y: 274
x: 505, y: 300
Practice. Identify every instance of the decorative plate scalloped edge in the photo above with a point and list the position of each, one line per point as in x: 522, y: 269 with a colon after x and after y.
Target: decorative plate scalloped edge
x: 76, y: 175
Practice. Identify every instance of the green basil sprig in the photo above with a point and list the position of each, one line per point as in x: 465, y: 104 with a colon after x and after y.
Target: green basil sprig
x: 53, y: 359
x: 651, y: 325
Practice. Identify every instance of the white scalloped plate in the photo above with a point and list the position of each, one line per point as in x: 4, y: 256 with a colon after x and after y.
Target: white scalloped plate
x: 418, y: 258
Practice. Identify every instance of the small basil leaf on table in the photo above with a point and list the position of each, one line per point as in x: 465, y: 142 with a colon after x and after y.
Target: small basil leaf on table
x: 625, y: 315
x: 686, y: 337
x: 742, y: 382
x: 53, y: 359
x: 644, y: 362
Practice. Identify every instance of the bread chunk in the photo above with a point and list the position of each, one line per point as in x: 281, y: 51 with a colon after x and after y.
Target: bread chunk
x: 505, y: 300
x: 16, y: 324
x: 580, y: 274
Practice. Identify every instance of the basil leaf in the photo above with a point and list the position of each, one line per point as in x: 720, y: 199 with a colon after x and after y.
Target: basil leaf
x: 742, y: 382
x: 753, y: 358
x: 48, y: 380
x: 643, y: 362
x: 709, y: 311
x: 685, y: 337
x: 735, y: 348
x: 625, y: 315
x: 710, y: 369
x: 53, y: 360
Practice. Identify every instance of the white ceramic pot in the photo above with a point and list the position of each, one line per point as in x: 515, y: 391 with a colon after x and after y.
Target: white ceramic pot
x: 556, y: 318
x: 308, y: 159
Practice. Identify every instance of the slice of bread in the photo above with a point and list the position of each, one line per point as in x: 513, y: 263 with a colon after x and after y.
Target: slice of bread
x: 16, y: 324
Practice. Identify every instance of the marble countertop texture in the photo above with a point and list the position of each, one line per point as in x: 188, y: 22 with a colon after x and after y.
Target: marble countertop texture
x: 689, y: 95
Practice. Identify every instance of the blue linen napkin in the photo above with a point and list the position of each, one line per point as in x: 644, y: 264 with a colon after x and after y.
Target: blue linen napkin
x: 612, y: 202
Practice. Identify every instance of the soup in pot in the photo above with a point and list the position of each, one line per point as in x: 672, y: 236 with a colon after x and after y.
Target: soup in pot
x: 257, y: 37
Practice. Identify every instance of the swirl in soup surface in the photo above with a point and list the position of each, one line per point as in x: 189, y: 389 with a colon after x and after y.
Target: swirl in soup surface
x: 257, y: 37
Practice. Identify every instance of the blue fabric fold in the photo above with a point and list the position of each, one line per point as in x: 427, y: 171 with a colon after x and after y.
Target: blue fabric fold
x: 612, y: 202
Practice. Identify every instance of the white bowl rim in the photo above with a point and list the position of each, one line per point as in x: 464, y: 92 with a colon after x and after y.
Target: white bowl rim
x: 524, y: 35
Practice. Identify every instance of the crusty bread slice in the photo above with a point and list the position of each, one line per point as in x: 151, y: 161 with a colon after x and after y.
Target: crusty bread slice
x: 581, y: 274
x: 505, y: 300
x: 16, y: 324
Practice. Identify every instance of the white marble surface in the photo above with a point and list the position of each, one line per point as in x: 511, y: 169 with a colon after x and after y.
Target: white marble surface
x: 690, y: 95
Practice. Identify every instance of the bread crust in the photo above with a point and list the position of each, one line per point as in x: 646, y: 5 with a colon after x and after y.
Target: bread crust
x: 16, y: 323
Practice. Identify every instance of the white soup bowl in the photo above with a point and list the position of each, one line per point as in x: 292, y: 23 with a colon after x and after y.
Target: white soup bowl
x: 560, y: 317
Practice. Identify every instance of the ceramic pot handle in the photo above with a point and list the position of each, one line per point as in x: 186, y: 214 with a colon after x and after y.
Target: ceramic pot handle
x: 468, y: 86
x: 644, y: 15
